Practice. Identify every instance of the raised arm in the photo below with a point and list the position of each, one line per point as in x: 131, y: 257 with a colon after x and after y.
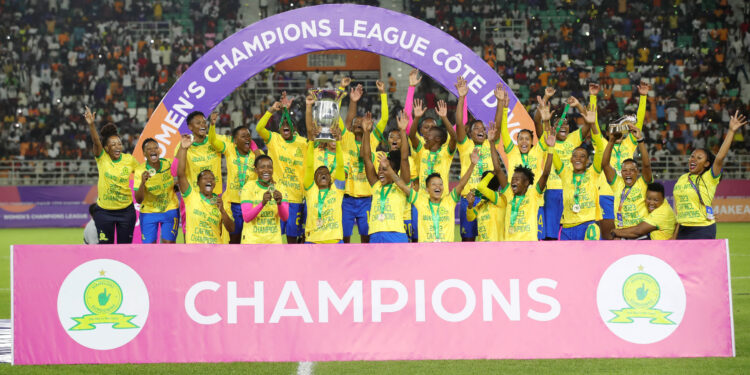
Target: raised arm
x: 501, y: 115
x: 551, y: 140
x: 549, y: 92
x: 309, y: 165
x: 403, y: 122
x: 90, y: 119
x: 643, y: 89
x: 396, y: 180
x: 463, y: 90
x: 606, y: 166
x: 418, y: 112
x: 735, y: 123
x: 212, y: 138
x: 182, y: 181
x: 465, y: 178
x: 309, y: 126
x: 587, y: 127
x: 414, y: 79
x: 364, y: 151
x: 264, y: 134
x: 496, y: 163
x: 483, y: 188
x: 645, y: 159
x: 383, y: 110
x: 589, y: 119
x: 442, y: 111
x: 354, y: 96
x: 339, y: 174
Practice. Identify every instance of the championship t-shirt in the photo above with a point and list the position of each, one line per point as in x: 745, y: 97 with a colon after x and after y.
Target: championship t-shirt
x: 690, y: 211
x: 159, y: 195
x: 202, y: 156
x: 388, y: 209
x: 664, y: 220
x: 436, y: 221
x: 265, y: 228
x: 465, y: 150
x: 357, y: 184
x: 633, y: 209
x: 240, y: 170
x: 564, y: 149
x: 202, y: 218
x: 581, y: 194
x: 324, y: 223
x: 521, y: 213
x: 114, y: 181
x: 288, y: 165
x: 434, y: 162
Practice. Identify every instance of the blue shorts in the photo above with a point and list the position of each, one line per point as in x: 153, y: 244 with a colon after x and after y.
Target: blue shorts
x: 468, y: 228
x: 408, y: 228
x: 607, y: 203
x: 553, y: 208
x: 388, y: 237
x: 239, y: 222
x: 580, y: 232
x: 294, y: 225
x: 168, y: 221
x: 355, y: 209
x: 414, y: 223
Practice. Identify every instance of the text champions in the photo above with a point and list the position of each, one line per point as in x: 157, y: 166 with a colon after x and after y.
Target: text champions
x: 384, y: 297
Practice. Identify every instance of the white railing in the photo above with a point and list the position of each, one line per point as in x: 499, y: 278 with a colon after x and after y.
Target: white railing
x: 84, y: 172
x: 150, y: 28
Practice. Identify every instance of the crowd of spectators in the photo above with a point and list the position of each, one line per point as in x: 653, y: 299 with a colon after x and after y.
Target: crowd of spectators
x: 56, y: 55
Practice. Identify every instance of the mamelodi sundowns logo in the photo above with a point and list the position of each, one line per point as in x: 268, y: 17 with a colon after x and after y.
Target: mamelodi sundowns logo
x: 641, y: 299
x: 103, y: 304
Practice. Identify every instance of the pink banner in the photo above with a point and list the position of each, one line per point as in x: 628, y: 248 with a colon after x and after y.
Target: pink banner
x: 194, y: 303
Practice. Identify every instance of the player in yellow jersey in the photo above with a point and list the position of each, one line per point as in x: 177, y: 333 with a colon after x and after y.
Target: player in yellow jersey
x: 489, y: 212
x: 394, y: 142
x: 629, y: 187
x: 566, y: 142
x: 389, y: 206
x: 521, y: 197
x: 660, y: 224
x: 114, y: 206
x: 204, y: 209
x: 694, y: 191
x: 358, y: 197
x: 436, y: 214
x: 155, y: 192
x: 475, y: 137
x: 287, y: 151
x: 435, y: 154
x: 580, y: 185
x: 203, y: 155
x: 323, y: 196
x: 263, y: 206
x: 525, y: 153
x: 325, y: 152
x: 240, y: 155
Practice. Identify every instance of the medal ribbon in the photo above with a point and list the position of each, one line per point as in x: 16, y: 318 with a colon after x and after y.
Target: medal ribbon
x: 624, y: 196
x: 525, y: 160
x: 242, y: 166
x: 360, y: 161
x: 431, y: 159
x: 435, y: 219
x: 700, y: 199
x: 515, y: 206
x: 384, y: 197
x: 321, y: 201
x: 332, y: 166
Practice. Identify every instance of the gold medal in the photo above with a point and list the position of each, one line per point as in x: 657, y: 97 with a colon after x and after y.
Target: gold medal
x: 576, y: 208
x: 320, y: 223
x: 152, y: 172
x: 381, y: 217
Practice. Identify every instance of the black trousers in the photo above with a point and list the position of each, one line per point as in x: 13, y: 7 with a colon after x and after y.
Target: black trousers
x: 707, y: 232
x: 108, y: 221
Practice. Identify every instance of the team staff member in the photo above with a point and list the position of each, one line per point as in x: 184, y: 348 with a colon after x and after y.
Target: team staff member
x: 154, y: 191
x: 629, y: 188
x: 263, y: 206
x: 389, y: 206
x: 694, y: 191
x: 660, y: 224
x: 240, y: 155
x: 580, y: 186
x: 324, y: 198
x: 287, y: 151
x: 474, y: 138
x: 436, y: 214
x: 521, y: 204
x: 115, y: 212
x: 204, y: 210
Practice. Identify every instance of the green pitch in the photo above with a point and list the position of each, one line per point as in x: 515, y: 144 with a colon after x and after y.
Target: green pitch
x: 737, y: 233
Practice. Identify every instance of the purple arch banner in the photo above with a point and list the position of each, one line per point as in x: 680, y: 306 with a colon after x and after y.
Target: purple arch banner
x: 325, y: 27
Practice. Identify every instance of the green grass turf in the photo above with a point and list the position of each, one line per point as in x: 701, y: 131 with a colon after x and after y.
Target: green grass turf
x: 738, y: 235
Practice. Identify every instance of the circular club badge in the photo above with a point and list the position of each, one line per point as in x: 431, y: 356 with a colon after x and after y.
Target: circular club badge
x: 641, y: 299
x: 103, y: 304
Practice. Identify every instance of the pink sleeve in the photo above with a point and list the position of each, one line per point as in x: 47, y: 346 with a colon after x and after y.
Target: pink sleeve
x: 408, y: 106
x: 173, y: 168
x: 253, y: 146
x: 466, y: 110
x: 250, y: 211
x: 284, y: 211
